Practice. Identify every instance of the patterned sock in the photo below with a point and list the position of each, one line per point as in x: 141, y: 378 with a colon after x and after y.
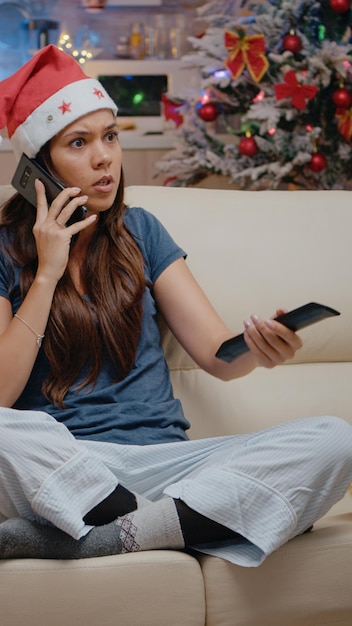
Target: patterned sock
x: 152, y: 527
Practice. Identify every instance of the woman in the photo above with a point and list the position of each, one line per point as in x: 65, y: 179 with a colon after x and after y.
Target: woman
x: 94, y: 455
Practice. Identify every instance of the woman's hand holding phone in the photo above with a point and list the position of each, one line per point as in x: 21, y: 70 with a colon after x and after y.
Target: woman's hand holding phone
x: 66, y: 213
x: 52, y: 234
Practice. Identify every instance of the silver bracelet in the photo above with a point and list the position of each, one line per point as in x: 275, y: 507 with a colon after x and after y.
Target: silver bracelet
x: 39, y: 337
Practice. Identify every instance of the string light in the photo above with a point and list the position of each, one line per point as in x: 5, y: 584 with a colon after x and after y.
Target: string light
x: 259, y: 97
x: 205, y: 97
x: 321, y: 32
x: 65, y: 42
x: 220, y: 74
x: 81, y: 56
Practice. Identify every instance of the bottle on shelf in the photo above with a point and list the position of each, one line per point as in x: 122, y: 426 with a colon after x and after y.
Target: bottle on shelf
x: 137, y: 41
x: 162, y: 39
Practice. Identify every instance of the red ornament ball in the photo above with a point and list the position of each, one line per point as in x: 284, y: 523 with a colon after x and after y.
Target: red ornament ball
x: 208, y: 112
x: 248, y: 146
x: 318, y: 162
x: 340, y: 6
x: 342, y: 98
x: 292, y: 43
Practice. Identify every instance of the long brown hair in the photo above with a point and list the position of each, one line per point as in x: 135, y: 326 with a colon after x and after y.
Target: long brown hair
x: 109, y: 319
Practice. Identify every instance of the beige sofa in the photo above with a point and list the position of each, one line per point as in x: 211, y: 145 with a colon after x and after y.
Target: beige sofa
x: 252, y: 252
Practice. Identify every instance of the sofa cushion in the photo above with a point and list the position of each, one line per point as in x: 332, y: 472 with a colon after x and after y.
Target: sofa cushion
x: 155, y: 588
x: 305, y: 583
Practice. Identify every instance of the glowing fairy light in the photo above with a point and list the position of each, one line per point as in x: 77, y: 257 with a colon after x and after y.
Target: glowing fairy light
x: 221, y: 74
x: 205, y: 97
x: 259, y: 97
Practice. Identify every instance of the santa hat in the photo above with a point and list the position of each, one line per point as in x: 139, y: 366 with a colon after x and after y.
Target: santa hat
x: 44, y: 96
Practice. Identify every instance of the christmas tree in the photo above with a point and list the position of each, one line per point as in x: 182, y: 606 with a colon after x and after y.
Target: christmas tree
x: 274, y: 106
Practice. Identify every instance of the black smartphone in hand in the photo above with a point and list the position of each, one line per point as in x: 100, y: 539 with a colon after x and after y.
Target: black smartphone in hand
x: 23, y: 181
x: 295, y: 320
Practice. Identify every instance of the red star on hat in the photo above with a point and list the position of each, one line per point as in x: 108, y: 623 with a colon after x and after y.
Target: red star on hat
x: 65, y: 107
x: 99, y: 93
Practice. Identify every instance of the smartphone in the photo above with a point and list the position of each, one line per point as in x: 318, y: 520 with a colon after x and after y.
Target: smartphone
x: 295, y: 320
x: 23, y: 181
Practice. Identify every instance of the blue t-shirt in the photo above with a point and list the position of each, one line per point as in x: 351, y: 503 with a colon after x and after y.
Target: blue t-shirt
x: 141, y: 408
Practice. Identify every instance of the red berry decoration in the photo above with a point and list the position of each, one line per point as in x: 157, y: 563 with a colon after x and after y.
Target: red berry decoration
x: 318, y: 162
x: 168, y: 182
x: 208, y: 112
x: 248, y: 146
x: 342, y: 98
x: 292, y: 43
x: 340, y: 6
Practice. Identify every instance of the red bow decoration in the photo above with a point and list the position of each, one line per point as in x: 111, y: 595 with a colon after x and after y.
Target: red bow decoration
x: 246, y: 52
x: 170, y: 110
x: 298, y: 93
x: 345, y: 123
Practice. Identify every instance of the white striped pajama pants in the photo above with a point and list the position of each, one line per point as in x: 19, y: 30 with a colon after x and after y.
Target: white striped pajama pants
x: 267, y: 486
